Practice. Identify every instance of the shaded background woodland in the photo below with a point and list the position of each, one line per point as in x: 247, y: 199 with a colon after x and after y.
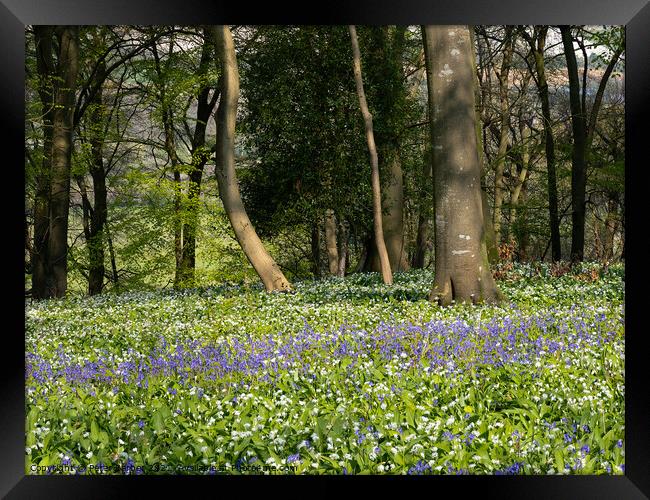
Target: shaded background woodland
x: 144, y: 209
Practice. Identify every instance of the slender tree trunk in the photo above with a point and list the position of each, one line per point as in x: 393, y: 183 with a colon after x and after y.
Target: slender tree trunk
x: 111, y: 253
x: 330, y: 242
x: 68, y: 61
x: 522, y: 172
x: 386, y: 272
x: 98, y: 173
x: 622, y: 232
x: 578, y: 168
x: 260, y: 259
x: 598, y: 99
x: 388, y: 60
x: 582, y: 138
x: 86, y: 208
x: 315, y: 249
x: 611, y: 225
x: 462, y: 270
x: 170, y: 149
x: 549, y: 145
x: 178, y: 229
x: 522, y: 221
x: 504, y: 130
x: 199, y: 159
x: 46, y: 71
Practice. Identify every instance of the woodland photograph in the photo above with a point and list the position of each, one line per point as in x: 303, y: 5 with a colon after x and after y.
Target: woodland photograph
x: 324, y: 250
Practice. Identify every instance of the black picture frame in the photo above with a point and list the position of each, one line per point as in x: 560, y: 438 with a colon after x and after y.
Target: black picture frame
x: 16, y: 14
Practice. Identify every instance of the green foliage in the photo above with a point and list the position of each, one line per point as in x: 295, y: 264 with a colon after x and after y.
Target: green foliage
x: 303, y: 129
x: 560, y: 411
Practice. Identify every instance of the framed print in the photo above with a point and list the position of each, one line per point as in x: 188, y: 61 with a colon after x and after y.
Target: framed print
x: 356, y: 245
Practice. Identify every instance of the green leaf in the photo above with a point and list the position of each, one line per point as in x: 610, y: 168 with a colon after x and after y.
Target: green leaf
x: 94, y: 431
x: 559, y: 461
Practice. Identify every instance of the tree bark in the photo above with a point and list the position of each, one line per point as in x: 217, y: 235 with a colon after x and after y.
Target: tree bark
x: 462, y: 270
x: 578, y: 170
x: 266, y: 268
x: 393, y: 221
x: 95, y: 242
x: 330, y: 242
x: 111, y: 253
x: 386, y: 272
x: 68, y: 61
x: 519, y: 191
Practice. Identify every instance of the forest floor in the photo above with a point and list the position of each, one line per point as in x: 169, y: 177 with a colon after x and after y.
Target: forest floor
x: 345, y: 375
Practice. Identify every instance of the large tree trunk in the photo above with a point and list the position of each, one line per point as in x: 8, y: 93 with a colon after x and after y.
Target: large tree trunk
x: 462, y: 270
x: 504, y: 130
x: 537, y: 47
x: 393, y: 221
x: 386, y: 272
x: 488, y: 229
x: 46, y: 70
x: 330, y: 242
x: 578, y: 170
x: 267, y: 269
x: 68, y: 62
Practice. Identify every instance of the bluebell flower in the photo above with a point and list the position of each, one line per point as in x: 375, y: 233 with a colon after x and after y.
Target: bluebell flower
x: 511, y: 470
x: 293, y: 458
x: 419, y: 468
